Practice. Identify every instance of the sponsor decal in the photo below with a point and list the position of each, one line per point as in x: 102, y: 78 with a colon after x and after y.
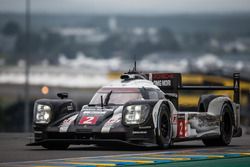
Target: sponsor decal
x: 145, y: 127
x: 94, y: 112
x: 38, y: 132
x: 66, y: 123
x: 97, y: 109
x: 162, y: 82
x: 139, y: 132
x: 88, y: 120
x: 163, y: 76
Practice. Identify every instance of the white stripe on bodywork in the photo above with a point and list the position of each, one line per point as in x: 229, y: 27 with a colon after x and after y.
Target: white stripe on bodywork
x: 215, y: 106
x: 114, y: 119
x: 155, y: 112
x: 66, y: 123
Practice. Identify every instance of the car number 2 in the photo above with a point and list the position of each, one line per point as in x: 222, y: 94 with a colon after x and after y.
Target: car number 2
x: 181, y: 129
x: 88, y: 120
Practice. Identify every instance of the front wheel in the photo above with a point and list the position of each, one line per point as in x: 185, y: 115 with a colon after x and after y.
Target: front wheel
x: 55, y: 146
x: 226, y: 129
x: 164, y: 129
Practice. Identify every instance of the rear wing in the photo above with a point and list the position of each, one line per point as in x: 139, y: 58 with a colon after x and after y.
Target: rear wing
x: 171, y: 83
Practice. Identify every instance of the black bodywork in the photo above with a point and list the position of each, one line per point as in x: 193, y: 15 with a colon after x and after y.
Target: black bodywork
x: 121, y: 133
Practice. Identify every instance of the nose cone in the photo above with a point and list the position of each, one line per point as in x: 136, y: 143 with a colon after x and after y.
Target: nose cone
x: 95, y: 115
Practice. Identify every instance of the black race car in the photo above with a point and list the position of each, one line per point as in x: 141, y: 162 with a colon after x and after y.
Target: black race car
x: 139, y: 109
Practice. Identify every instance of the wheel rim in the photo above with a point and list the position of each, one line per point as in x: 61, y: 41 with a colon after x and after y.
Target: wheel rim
x: 164, y: 126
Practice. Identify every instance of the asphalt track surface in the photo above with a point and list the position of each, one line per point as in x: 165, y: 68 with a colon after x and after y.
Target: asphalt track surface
x: 13, y: 152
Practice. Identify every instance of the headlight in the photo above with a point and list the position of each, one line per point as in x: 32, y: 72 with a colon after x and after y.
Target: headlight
x: 43, y: 114
x: 136, y: 114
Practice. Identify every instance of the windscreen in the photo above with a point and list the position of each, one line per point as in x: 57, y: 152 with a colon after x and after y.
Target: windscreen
x: 116, y: 96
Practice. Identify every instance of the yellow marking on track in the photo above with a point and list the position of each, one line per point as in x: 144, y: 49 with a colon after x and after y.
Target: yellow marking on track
x: 136, y: 161
x: 160, y: 158
x: 246, y: 154
x: 189, y: 155
x: 215, y: 156
x: 179, y: 159
x: 157, y: 155
x: 90, y: 163
x: 172, y: 155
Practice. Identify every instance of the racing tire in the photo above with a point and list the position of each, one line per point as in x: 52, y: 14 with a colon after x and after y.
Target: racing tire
x: 55, y: 146
x: 164, y: 127
x: 226, y: 128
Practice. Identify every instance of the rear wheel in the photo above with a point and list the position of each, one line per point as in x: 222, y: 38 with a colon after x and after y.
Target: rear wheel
x: 164, y: 130
x: 55, y: 146
x: 226, y: 129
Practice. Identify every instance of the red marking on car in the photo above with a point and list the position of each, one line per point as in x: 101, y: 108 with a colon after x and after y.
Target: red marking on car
x: 182, y: 128
x: 162, y: 76
x: 89, y: 120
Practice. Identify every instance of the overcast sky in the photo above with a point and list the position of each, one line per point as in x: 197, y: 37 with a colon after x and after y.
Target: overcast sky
x: 128, y: 6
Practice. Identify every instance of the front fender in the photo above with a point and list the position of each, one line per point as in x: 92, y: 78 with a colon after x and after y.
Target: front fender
x: 59, y: 107
x: 173, y: 115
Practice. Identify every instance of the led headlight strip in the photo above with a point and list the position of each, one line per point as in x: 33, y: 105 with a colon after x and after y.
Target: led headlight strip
x: 136, y: 114
x: 43, y: 114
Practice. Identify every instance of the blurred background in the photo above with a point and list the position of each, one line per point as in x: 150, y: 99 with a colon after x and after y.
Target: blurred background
x: 76, y: 46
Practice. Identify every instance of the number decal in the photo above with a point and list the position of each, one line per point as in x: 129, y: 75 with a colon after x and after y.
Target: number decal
x: 181, y: 128
x: 88, y: 120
